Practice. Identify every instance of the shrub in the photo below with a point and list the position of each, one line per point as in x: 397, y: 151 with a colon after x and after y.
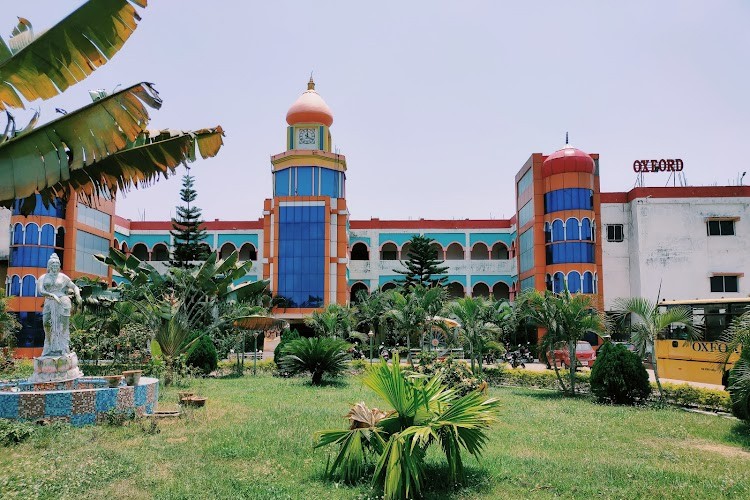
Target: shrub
x: 202, y: 354
x: 12, y: 432
x: 286, y: 337
x: 618, y: 376
x: 455, y: 374
x: 318, y: 356
x: 688, y: 395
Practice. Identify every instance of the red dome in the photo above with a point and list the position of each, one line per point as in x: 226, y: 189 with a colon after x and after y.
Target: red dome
x: 310, y: 108
x: 568, y: 159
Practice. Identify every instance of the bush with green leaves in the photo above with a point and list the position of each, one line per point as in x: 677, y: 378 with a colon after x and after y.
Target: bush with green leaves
x: 425, y: 412
x: 457, y: 375
x: 318, y: 356
x: 13, y: 432
x: 619, y: 377
x: 286, y: 337
x: 202, y: 355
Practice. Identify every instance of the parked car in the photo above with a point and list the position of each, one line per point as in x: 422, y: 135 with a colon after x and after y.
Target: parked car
x: 585, y: 355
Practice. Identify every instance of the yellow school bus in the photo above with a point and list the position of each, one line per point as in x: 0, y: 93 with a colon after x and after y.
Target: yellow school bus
x: 699, y: 360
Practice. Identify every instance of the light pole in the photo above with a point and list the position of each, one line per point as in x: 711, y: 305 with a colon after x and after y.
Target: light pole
x: 255, y: 349
x: 371, y: 334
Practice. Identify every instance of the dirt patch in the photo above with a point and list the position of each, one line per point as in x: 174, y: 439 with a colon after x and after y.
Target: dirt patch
x: 721, y: 449
x: 177, y: 440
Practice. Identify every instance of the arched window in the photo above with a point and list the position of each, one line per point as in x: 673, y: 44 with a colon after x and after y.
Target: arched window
x: 547, y: 232
x: 558, y: 282
x: 226, y: 250
x: 454, y: 252
x: 360, y: 252
x: 206, y: 248
x: 388, y: 286
x: 248, y: 252
x: 356, y: 290
x: 558, y: 230
x: 480, y: 252
x: 574, y: 282
x: 501, y: 291
x: 586, y: 229
x: 32, y: 234
x: 60, y: 238
x: 588, y: 282
x: 140, y: 251
x: 405, y: 249
x: 481, y: 290
x: 18, y: 234
x: 455, y: 290
x: 548, y: 282
x: 389, y: 251
x: 48, y: 235
x: 572, y: 230
x: 28, y: 286
x: 160, y: 253
x: 438, y: 249
x: 15, y: 286
x: 499, y: 251
x: 124, y: 247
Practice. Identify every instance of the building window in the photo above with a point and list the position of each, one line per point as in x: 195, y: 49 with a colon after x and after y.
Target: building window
x: 724, y: 284
x: 88, y: 245
x: 614, y: 232
x: 93, y: 218
x: 720, y: 227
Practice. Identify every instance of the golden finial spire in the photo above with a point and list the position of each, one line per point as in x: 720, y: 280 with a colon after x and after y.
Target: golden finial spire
x: 311, y: 83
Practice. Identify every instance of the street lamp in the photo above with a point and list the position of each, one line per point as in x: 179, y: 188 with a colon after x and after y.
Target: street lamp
x: 255, y: 334
x: 371, y: 334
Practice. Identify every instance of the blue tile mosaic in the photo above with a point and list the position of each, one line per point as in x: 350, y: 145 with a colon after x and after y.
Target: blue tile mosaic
x: 8, y: 405
x: 106, y: 399
x: 140, y: 395
x: 83, y: 419
x: 58, y: 404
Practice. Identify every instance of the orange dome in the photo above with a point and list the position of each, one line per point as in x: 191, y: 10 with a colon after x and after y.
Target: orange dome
x: 568, y: 159
x: 310, y: 108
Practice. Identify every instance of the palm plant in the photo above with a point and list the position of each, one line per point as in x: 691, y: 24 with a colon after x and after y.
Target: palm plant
x: 318, y: 356
x: 737, y: 337
x: 425, y: 412
x: 649, y: 324
x: 172, y: 333
x: 566, y: 317
x: 334, y: 321
x: 411, y: 312
x: 474, y: 314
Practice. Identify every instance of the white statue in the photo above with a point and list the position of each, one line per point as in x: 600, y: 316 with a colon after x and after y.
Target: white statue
x: 54, y: 287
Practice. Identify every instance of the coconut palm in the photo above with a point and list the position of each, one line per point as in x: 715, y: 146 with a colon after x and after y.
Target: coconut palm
x: 737, y: 337
x: 425, y: 412
x: 566, y: 317
x: 649, y: 324
x: 474, y: 314
x: 411, y: 311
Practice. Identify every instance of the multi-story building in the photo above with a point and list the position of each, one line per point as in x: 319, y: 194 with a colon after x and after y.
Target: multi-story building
x: 677, y: 242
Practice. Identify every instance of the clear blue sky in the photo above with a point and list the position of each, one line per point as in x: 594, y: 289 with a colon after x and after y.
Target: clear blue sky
x: 436, y: 104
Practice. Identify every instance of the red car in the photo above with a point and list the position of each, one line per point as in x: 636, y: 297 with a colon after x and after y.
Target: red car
x: 585, y: 354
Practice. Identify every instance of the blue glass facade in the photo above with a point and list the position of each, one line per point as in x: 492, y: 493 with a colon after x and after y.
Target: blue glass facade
x: 56, y: 209
x: 526, y: 250
x: 301, y: 255
x: 31, y: 333
x: 568, y: 199
x: 309, y: 181
x: 31, y: 256
x: 567, y: 253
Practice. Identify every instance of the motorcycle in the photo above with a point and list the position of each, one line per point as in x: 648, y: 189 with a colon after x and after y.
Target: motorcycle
x: 384, y: 352
x: 519, y: 357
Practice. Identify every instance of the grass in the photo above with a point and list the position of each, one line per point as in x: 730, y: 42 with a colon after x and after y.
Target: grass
x: 254, y: 440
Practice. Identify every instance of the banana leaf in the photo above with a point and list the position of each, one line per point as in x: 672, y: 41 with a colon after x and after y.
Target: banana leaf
x: 43, y: 66
x: 48, y: 156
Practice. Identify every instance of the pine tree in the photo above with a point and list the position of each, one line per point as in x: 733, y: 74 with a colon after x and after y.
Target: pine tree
x: 422, y: 264
x: 188, y: 232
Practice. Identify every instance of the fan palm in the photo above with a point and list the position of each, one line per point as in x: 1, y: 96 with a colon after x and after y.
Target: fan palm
x: 649, y: 324
x: 425, y: 412
x: 474, y: 313
x: 737, y: 337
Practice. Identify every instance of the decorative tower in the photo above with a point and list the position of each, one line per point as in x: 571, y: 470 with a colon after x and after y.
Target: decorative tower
x: 558, y: 216
x: 305, y: 223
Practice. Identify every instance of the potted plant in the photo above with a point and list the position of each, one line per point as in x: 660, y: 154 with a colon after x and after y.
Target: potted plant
x: 132, y: 377
x: 113, y: 380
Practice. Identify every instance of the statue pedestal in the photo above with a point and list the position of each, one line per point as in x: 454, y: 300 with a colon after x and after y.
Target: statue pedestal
x: 56, y: 368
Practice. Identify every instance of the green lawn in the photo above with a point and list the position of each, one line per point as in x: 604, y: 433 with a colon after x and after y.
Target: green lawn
x: 254, y: 440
